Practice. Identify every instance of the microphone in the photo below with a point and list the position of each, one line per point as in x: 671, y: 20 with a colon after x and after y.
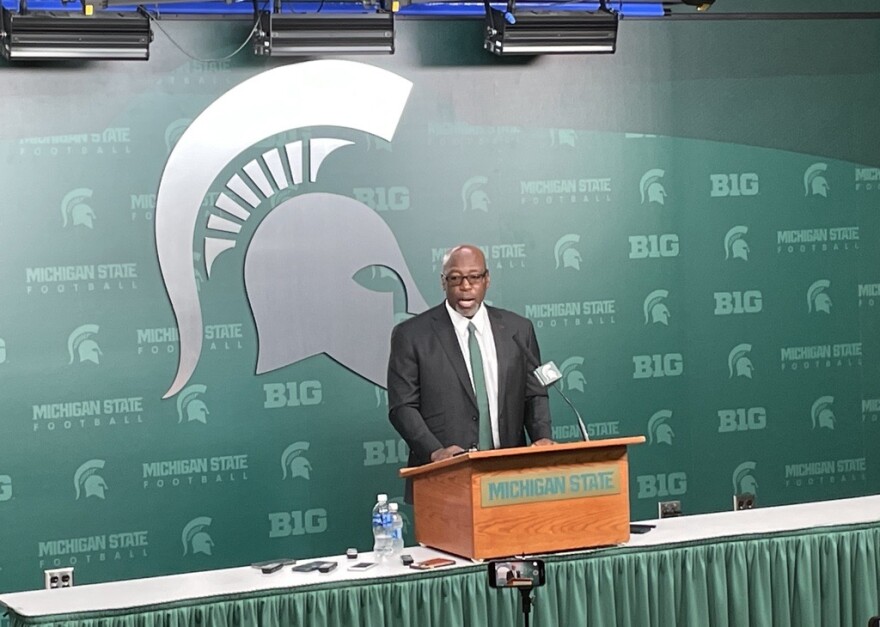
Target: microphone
x: 548, y: 374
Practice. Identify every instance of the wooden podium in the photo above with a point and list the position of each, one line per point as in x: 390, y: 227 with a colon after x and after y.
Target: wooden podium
x: 527, y: 500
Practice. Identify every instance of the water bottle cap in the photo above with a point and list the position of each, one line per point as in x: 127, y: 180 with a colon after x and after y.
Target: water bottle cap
x: 392, y: 507
x: 382, y: 498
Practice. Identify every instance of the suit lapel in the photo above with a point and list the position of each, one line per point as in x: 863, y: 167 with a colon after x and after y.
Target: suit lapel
x: 504, y: 351
x: 448, y: 340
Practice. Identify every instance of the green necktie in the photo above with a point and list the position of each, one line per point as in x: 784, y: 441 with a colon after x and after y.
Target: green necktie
x: 480, y: 388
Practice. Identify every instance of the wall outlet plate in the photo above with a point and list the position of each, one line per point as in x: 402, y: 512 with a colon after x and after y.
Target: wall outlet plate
x: 746, y: 500
x: 58, y: 578
x: 669, y: 509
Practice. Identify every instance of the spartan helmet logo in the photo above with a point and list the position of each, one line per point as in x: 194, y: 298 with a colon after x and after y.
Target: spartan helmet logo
x: 572, y: 377
x: 195, y: 538
x: 81, y: 347
x: 191, y: 406
x: 818, y: 298
x: 659, y: 430
x: 655, y: 308
x: 738, y: 362
x: 823, y: 413
x: 815, y: 184
x: 474, y: 196
x: 567, y: 256
x: 174, y: 131
x: 735, y: 245
x: 743, y: 479
x: 74, y: 210
x: 301, y: 260
x: 87, y: 481
x: 293, y: 460
x: 651, y: 188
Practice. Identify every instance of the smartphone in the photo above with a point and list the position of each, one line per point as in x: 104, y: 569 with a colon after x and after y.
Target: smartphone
x: 362, y: 566
x: 326, y: 567
x: 516, y: 573
x: 437, y: 562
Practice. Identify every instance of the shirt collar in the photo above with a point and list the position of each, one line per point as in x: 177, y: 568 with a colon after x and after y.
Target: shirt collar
x: 480, y: 319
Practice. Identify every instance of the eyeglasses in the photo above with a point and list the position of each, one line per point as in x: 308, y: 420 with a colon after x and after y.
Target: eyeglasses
x: 456, y: 279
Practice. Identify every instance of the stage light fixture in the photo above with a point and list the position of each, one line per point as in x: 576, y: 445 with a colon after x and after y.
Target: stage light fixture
x: 48, y: 35
x: 314, y: 34
x: 550, y: 32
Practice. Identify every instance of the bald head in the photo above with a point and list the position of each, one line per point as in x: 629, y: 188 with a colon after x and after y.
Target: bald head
x: 465, y: 278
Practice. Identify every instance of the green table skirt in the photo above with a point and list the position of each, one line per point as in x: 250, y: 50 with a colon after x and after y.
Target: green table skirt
x: 819, y: 578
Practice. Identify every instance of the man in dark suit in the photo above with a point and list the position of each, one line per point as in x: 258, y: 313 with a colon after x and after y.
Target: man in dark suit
x: 458, y: 377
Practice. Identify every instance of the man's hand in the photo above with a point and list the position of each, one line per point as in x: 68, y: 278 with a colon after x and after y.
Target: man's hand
x: 543, y: 442
x: 446, y: 453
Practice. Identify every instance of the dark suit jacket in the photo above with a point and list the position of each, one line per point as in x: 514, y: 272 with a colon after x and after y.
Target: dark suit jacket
x: 431, y: 402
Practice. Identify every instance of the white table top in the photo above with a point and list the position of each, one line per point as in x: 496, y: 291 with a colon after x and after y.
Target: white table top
x: 133, y: 593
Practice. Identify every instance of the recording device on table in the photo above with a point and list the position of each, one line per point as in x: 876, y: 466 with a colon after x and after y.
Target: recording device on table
x: 273, y: 566
x: 321, y: 566
x: 548, y: 374
x: 516, y: 573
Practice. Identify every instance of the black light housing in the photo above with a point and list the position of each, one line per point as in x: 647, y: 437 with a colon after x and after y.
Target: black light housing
x: 310, y: 34
x: 47, y: 35
x: 548, y: 32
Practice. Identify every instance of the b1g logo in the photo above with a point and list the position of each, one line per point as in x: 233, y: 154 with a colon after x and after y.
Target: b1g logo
x: 297, y: 523
x: 383, y: 198
x: 653, y: 246
x: 2, y: 351
x: 385, y: 452
x: 292, y: 394
x: 742, y: 419
x: 300, y: 246
x: 656, y: 366
x: 666, y: 484
x: 730, y: 303
x: 733, y: 185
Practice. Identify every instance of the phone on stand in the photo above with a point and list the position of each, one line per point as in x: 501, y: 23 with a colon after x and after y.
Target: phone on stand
x: 516, y: 573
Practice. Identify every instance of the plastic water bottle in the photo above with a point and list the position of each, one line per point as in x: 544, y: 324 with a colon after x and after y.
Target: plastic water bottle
x: 396, y: 530
x: 381, y: 527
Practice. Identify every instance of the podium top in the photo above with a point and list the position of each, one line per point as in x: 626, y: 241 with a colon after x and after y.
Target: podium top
x: 520, y: 450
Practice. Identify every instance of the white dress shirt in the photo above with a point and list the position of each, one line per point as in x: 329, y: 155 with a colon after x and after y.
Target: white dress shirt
x: 490, y: 357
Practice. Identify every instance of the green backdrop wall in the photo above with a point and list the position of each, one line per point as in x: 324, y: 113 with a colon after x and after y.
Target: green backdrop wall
x: 692, y: 225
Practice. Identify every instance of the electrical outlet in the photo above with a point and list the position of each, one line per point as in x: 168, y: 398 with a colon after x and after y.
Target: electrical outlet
x: 669, y: 509
x: 59, y: 578
x: 746, y: 500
